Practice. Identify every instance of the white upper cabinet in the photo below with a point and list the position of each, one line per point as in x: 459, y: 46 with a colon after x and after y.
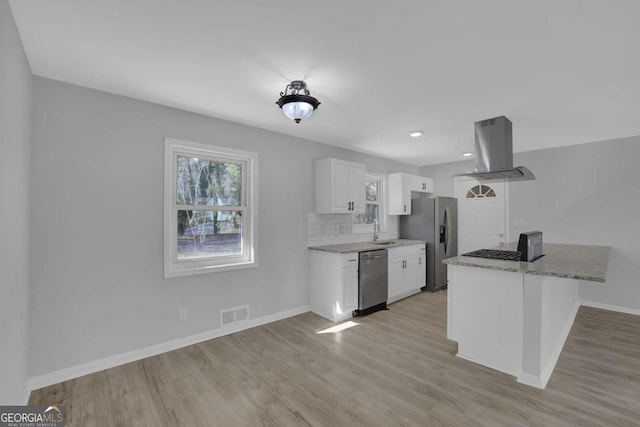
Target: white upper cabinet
x: 400, y: 187
x: 421, y: 184
x: 339, y: 186
x: 399, y: 195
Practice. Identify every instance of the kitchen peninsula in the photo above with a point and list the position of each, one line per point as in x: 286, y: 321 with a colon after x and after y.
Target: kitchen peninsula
x: 515, y: 316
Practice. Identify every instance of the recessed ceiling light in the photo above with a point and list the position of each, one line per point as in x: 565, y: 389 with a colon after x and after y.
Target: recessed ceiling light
x: 467, y: 154
x: 416, y: 133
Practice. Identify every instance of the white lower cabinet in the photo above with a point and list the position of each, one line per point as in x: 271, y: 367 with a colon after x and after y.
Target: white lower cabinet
x: 422, y: 266
x: 334, y: 279
x: 350, y: 284
x: 407, y: 271
x: 334, y: 284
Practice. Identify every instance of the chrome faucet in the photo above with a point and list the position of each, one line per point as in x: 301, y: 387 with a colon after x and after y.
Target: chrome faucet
x: 376, y: 228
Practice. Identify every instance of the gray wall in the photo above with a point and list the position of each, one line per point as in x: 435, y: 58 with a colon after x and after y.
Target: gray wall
x: 584, y: 194
x: 15, y: 140
x: 96, y: 218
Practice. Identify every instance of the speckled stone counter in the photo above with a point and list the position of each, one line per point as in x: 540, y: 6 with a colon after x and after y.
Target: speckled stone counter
x: 346, y: 248
x: 515, y: 316
x: 580, y: 262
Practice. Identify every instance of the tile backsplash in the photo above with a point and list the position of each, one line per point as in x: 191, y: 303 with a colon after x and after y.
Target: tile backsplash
x: 331, y: 229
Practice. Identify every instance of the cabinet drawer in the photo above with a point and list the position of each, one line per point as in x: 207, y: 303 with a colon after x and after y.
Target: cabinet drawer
x: 350, y: 259
x: 404, y: 251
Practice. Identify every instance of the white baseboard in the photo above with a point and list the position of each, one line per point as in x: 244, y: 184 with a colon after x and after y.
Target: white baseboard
x: 610, y: 307
x: 66, y: 374
x: 545, y: 375
x: 26, y: 394
x: 531, y: 380
x: 485, y: 364
x: 402, y: 295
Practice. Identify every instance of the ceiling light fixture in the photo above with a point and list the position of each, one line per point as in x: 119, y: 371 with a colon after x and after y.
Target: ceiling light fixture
x: 298, y: 104
x: 416, y: 133
x: 467, y: 154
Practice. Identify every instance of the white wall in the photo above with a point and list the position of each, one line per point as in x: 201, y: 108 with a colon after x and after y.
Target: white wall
x: 15, y: 140
x: 583, y: 194
x: 96, y: 266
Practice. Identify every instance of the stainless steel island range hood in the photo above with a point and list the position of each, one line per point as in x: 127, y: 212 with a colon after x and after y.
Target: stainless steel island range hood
x: 494, y: 152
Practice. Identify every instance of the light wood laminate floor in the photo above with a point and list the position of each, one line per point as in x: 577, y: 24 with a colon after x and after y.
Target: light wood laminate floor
x: 394, y: 367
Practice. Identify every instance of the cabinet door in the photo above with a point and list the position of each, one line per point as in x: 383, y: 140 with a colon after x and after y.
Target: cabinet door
x: 421, y: 184
x: 350, y: 288
x: 395, y: 278
x: 411, y: 274
x: 399, y: 194
x: 402, y: 276
x: 422, y: 268
x: 356, y: 187
x: 340, y: 187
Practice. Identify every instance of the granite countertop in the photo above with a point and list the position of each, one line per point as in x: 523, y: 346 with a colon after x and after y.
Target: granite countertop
x: 580, y: 262
x: 346, y: 248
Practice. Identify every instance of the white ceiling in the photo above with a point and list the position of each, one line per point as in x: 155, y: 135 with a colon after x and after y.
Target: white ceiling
x: 564, y: 71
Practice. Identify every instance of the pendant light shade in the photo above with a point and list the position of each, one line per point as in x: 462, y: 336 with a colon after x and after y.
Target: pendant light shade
x: 298, y: 104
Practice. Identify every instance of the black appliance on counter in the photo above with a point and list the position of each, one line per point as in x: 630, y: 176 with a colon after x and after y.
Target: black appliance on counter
x: 530, y: 246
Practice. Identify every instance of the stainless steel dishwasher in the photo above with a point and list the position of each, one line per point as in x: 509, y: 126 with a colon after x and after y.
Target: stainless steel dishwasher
x: 372, y: 282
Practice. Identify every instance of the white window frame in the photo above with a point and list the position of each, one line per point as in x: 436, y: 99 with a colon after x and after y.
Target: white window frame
x: 382, y: 193
x: 173, y: 267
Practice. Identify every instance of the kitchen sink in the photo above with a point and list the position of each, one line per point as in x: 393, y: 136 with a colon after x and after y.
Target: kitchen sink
x: 386, y: 243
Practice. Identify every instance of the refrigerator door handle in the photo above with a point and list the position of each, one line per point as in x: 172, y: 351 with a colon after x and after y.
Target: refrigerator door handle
x: 447, y: 234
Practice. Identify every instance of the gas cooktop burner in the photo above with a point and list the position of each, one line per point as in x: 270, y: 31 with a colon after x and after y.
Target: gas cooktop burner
x: 495, y: 254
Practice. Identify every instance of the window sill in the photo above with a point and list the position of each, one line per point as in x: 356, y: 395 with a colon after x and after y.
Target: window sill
x: 171, y: 273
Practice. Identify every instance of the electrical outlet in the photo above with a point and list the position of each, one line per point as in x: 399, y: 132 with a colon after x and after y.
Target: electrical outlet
x: 183, y: 313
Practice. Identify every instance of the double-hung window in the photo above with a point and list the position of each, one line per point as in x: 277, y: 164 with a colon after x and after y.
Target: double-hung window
x: 374, y: 206
x: 210, y: 207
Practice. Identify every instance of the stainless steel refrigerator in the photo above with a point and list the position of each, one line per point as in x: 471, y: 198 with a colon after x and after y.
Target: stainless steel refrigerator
x: 436, y: 221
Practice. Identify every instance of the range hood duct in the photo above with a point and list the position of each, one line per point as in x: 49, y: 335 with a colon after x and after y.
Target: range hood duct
x: 494, y: 152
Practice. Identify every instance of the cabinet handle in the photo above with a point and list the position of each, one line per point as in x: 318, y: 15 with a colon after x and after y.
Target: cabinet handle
x: 419, y: 261
x: 404, y: 208
x: 352, y: 260
x: 424, y: 186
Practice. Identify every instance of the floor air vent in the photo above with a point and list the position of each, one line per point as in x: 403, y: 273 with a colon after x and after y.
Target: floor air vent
x: 230, y: 316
